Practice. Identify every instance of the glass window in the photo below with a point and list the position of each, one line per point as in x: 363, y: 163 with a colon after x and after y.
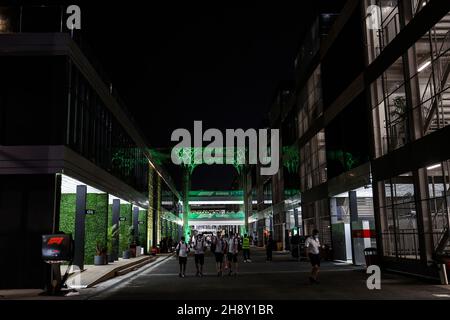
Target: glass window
x: 382, y: 25
x: 399, y: 221
x: 316, y: 215
x: 431, y: 82
x: 390, y: 109
x: 437, y: 199
x: 93, y: 132
x: 310, y: 102
x: 313, y: 162
x: 428, y: 102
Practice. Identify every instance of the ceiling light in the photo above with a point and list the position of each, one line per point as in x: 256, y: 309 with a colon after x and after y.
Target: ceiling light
x: 424, y: 66
x: 434, y: 166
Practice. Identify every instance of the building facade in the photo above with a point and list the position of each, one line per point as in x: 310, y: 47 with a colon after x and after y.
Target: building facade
x: 368, y: 116
x: 71, y: 157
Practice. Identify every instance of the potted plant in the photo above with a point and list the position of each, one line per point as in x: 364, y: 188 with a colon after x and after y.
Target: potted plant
x: 101, y: 256
x: 132, y: 242
x: 398, y: 121
x: 113, y: 231
x: 127, y: 254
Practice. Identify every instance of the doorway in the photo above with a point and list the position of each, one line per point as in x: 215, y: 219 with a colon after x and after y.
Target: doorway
x: 352, y: 224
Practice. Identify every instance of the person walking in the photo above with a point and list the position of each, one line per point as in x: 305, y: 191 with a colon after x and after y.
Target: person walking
x: 312, y: 248
x: 233, y: 251
x: 219, y: 247
x: 182, y: 252
x: 246, y: 248
x: 225, y: 253
x: 199, y: 250
x: 269, y: 248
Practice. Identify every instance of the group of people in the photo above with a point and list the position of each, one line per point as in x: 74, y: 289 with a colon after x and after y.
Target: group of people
x: 224, y: 247
x: 227, y: 247
x: 166, y: 244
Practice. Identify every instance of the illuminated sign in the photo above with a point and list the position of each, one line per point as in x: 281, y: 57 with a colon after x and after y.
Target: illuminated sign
x: 57, y: 247
x: 55, y: 240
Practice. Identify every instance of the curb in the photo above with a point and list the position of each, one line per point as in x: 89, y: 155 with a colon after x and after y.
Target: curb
x: 121, y: 270
x: 130, y: 268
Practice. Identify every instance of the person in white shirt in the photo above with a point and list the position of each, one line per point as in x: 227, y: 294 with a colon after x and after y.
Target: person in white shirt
x: 312, y: 247
x: 199, y: 246
x: 182, y: 252
x: 232, y: 255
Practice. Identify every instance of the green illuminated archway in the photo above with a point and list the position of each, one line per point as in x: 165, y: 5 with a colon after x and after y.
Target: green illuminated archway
x: 191, y: 157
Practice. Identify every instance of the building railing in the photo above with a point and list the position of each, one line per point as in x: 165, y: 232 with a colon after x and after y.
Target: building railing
x: 403, y: 243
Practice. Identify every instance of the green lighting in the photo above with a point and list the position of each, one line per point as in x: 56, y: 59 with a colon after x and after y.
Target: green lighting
x: 221, y: 193
x: 217, y: 215
x: 291, y: 158
x: 291, y: 192
x: 347, y: 159
x: 208, y: 155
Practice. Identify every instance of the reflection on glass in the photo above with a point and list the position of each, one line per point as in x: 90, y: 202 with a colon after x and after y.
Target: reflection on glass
x: 313, y: 164
x: 399, y: 227
x: 382, y: 25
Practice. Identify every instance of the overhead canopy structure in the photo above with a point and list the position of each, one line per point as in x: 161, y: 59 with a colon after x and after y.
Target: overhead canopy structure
x: 192, y: 157
x: 216, y: 218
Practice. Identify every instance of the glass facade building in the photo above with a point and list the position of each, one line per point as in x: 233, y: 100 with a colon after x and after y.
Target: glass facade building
x: 371, y: 129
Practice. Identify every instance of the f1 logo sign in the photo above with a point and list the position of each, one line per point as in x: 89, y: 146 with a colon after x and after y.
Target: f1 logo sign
x: 55, y: 240
x: 74, y: 20
x: 374, y: 280
x: 373, y: 17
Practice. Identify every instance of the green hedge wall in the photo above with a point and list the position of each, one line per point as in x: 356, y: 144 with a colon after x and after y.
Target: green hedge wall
x: 143, y: 229
x: 67, y: 213
x: 96, y: 224
x: 125, y: 211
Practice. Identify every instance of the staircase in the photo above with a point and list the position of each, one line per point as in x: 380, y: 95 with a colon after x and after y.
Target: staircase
x: 443, y: 247
x: 444, y: 113
x: 440, y: 227
x: 436, y: 111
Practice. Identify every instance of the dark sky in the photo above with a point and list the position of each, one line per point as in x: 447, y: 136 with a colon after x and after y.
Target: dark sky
x: 209, y: 61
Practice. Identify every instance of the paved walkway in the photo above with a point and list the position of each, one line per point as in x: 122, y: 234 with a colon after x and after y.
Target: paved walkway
x: 91, y: 276
x: 284, y: 278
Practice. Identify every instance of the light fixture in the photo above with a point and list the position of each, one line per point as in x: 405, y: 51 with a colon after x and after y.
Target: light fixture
x: 3, y: 24
x: 434, y: 166
x: 424, y: 66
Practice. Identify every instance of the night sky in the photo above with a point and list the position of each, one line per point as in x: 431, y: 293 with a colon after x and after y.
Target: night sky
x: 174, y: 64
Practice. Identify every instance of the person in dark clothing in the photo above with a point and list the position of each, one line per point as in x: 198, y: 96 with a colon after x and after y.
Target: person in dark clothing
x: 269, y: 248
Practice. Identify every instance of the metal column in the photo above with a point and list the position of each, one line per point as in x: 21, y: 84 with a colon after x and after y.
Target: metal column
x: 115, y: 221
x: 80, y: 221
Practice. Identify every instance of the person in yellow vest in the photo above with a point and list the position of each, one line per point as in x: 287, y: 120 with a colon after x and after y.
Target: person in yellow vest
x: 246, y: 248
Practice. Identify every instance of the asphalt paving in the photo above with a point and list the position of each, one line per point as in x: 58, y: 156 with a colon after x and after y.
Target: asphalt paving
x: 284, y: 278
